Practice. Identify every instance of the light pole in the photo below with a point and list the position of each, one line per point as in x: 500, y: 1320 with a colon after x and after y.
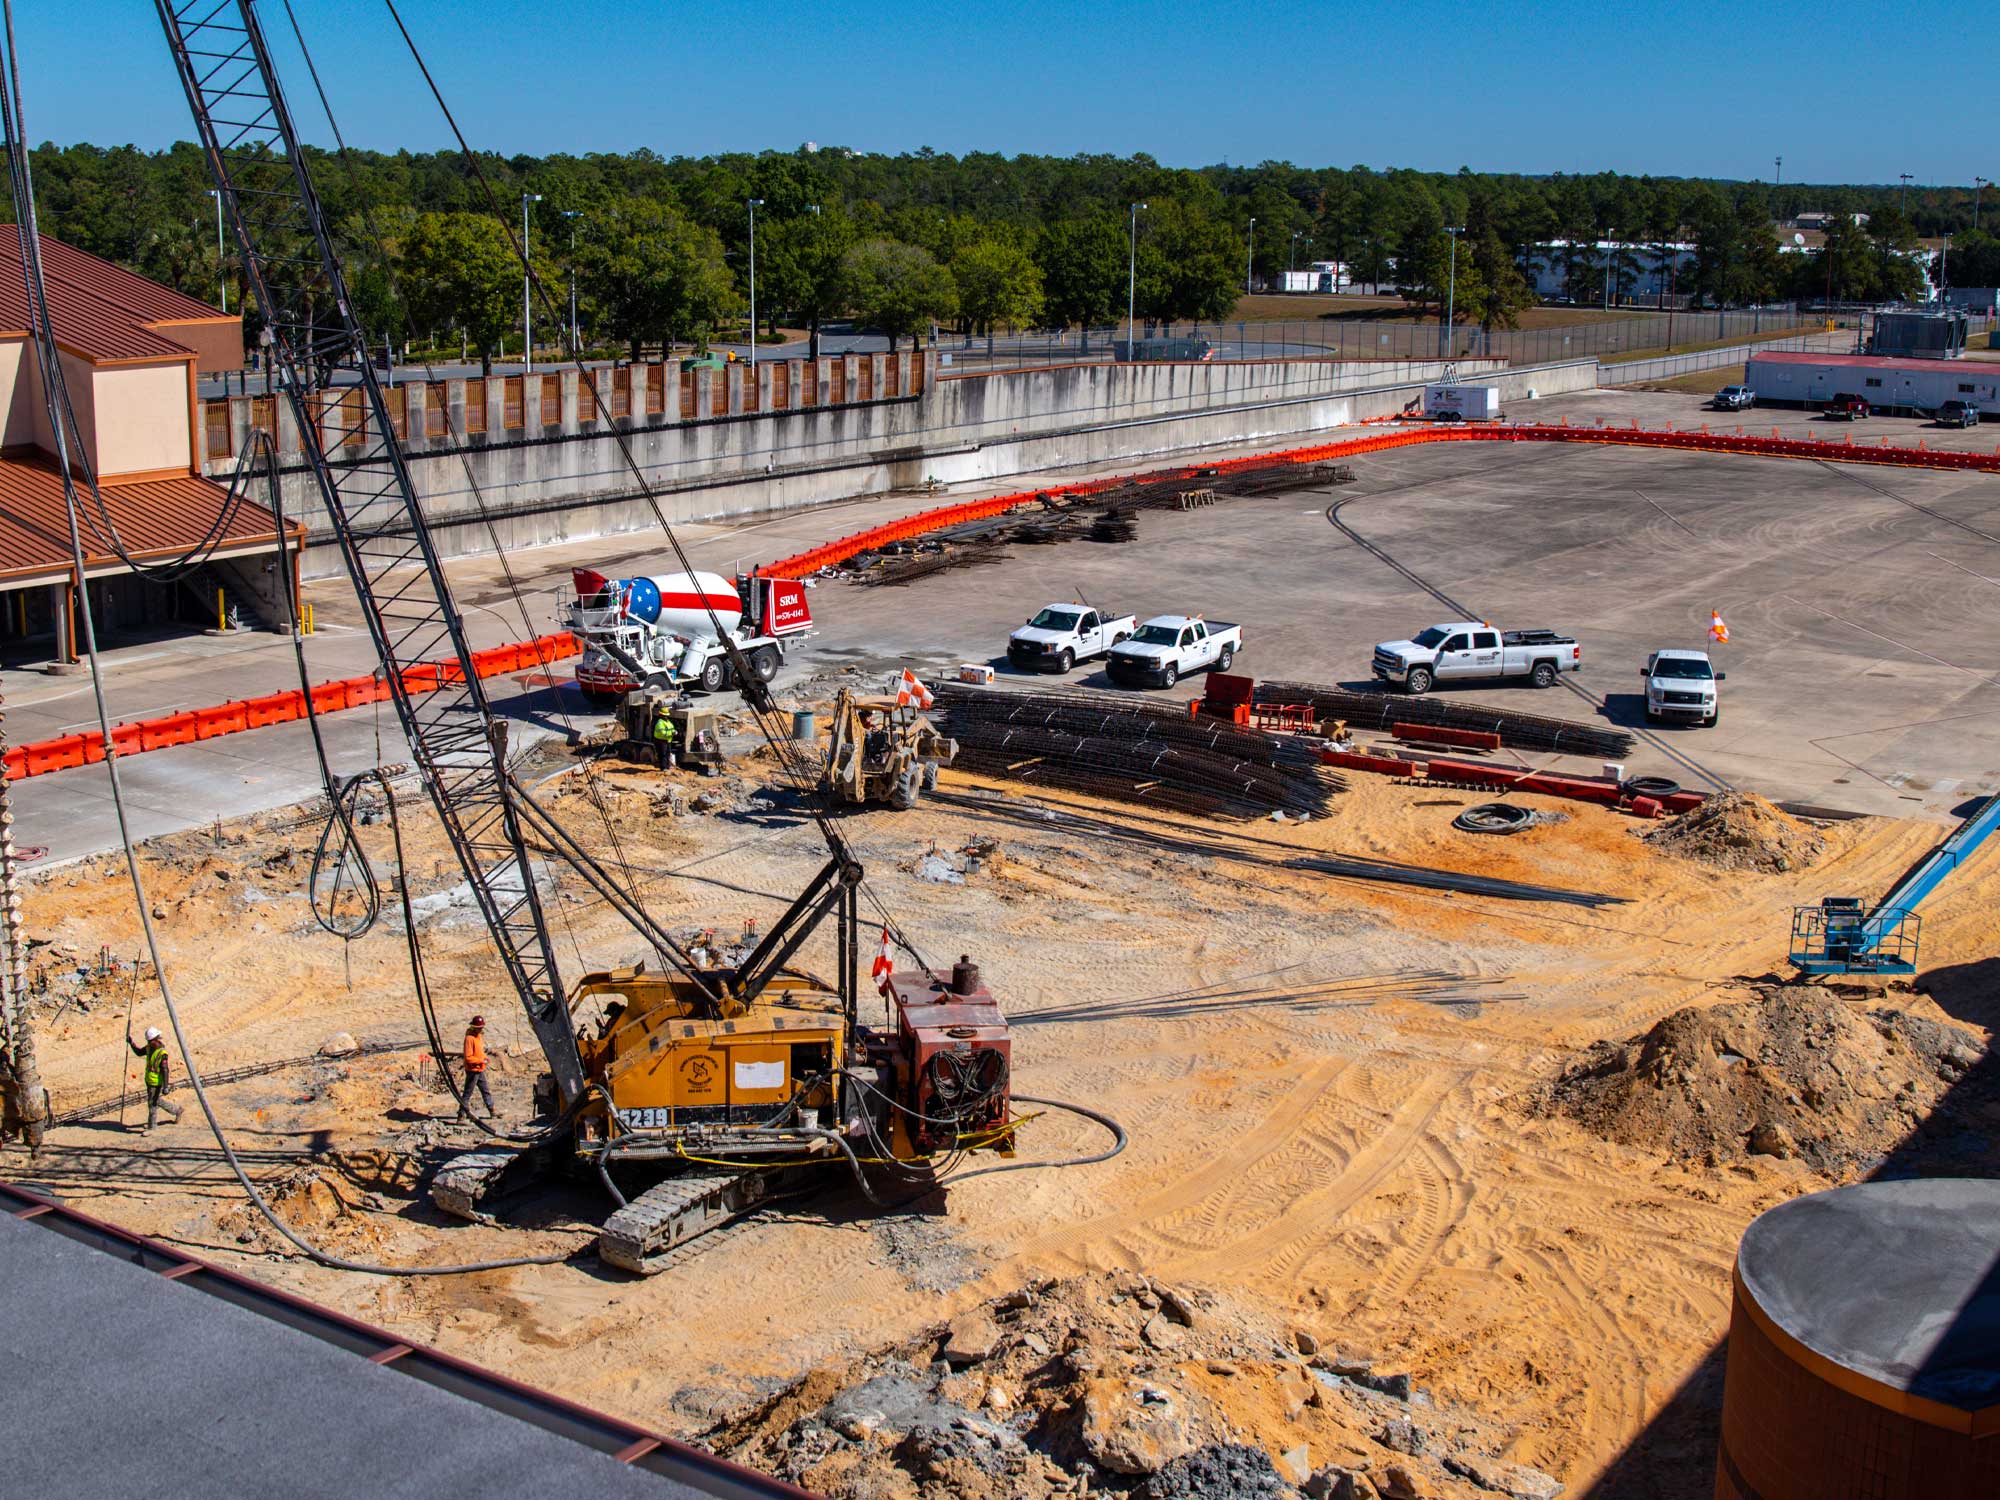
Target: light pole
x: 222, y: 270
x: 1451, y: 292
x: 1903, y: 199
x: 1250, y: 255
x: 1978, y: 186
x: 575, y: 343
x: 754, y: 202
x: 527, y: 276
x: 1292, y: 254
x: 1132, y: 290
x: 1781, y: 173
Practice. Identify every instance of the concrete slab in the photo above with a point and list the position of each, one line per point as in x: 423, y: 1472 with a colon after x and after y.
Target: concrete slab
x: 1896, y: 1281
x: 146, y: 1388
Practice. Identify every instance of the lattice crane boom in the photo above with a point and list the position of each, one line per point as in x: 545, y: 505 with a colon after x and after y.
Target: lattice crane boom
x: 310, y: 331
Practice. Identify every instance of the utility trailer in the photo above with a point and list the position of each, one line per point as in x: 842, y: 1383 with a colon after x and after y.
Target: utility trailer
x: 1462, y: 403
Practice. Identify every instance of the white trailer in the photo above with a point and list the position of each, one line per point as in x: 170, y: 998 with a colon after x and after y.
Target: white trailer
x: 1462, y: 403
x: 1889, y: 386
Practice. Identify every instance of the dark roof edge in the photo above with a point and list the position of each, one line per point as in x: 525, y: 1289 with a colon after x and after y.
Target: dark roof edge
x: 627, y: 1442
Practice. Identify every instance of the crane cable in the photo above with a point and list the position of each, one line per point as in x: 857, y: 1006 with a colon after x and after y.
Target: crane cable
x: 592, y: 782
x: 21, y: 183
x: 785, y: 752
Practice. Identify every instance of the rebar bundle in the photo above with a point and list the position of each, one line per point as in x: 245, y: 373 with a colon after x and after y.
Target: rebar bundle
x: 1130, y: 751
x: 1518, y: 731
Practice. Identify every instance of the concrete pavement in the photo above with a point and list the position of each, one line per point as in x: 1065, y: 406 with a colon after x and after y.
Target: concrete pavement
x: 1862, y: 674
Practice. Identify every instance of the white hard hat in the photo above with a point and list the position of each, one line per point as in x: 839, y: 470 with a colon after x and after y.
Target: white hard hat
x: 152, y: 1033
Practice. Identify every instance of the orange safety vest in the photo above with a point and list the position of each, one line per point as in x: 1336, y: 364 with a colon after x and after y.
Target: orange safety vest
x: 475, y: 1052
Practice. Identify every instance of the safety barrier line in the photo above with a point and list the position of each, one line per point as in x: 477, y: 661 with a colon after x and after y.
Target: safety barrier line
x: 832, y: 554
x: 190, y: 725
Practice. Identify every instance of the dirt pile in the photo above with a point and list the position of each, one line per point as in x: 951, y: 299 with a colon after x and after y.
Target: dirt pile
x: 1119, y: 1385
x: 1740, y: 831
x: 1792, y: 1073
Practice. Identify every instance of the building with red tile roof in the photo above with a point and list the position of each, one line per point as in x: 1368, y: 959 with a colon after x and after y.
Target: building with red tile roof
x: 132, y: 351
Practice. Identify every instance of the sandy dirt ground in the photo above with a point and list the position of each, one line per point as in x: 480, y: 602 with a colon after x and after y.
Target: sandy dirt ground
x: 1314, y: 1125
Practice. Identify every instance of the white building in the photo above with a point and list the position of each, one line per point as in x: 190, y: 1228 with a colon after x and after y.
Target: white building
x: 1646, y: 272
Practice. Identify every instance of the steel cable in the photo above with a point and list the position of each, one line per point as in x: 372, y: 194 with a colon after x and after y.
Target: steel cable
x: 22, y: 186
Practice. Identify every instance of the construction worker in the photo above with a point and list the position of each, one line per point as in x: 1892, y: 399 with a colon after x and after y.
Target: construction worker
x: 475, y: 1069
x: 154, y: 1051
x: 663, y: 736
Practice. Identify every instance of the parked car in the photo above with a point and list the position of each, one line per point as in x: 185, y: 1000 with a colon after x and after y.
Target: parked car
x: 1956, y: 413
x: 1735, y: 398
x: 1063, y: 635
x: 1468, y: 650
x: 1168, y: 647
x: 1681, y: 685
x: 1847, y: 407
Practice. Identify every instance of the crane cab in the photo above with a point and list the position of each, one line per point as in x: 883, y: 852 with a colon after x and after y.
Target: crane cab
x: 684, y: 1075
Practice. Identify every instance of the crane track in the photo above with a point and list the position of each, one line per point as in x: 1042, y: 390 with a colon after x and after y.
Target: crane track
x: 1680, y: 758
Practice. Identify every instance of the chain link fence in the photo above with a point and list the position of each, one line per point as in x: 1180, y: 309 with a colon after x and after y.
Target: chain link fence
x: 1391, y: 335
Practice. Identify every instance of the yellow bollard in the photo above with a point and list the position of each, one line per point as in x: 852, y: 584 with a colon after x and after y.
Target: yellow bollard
x: 221, y: 616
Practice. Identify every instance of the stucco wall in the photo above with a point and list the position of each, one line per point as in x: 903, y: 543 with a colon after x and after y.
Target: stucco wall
x: 144, y: 422
x: 19, y: 396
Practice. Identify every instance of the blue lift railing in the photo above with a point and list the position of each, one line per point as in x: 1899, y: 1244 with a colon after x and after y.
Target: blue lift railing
x: 1837, y: 937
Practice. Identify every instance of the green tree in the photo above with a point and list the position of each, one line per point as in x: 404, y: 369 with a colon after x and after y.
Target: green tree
x: 651, y: 273
x: 997, y: 282
x: 1498, y: 293
x: 1083, y: 271
x: 459, y: 271
x: 897, y: 288
x: 799, y: 265
x: 1975, y: 260
x: 1189, y: 265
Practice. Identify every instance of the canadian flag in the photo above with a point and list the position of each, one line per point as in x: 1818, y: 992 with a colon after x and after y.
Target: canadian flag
x: 910, y: 691
x: 1717, y: 631
x: 883, y: 966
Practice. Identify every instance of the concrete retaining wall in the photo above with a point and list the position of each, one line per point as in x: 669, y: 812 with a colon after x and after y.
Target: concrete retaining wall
x: 574, y: 487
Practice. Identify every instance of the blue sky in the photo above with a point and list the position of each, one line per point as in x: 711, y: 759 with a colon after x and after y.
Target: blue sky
x: 1714, y: 89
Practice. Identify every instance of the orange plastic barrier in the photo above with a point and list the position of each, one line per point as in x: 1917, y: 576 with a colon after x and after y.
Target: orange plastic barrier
x: 193, y: 724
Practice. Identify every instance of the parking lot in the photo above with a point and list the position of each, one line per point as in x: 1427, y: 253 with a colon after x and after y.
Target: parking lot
x: 1863, y: 603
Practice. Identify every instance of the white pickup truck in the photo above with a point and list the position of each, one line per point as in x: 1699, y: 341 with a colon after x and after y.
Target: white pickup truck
x: 1168, y: 647
x: 1471, y: 650
x: 1680, y: 685
x: 1063, y: 635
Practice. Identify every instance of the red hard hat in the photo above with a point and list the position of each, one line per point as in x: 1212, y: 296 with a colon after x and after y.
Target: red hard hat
x: 479, y: 1020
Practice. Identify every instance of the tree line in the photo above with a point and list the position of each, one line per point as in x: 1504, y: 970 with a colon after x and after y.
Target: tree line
x: 658, y: 249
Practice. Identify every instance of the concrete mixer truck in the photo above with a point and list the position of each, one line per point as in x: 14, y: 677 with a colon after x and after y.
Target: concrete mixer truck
x: 661, y: 631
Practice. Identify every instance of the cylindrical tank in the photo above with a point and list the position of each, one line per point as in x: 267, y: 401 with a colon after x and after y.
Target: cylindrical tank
x: 1864, y: 1347
x: 679, y: 603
